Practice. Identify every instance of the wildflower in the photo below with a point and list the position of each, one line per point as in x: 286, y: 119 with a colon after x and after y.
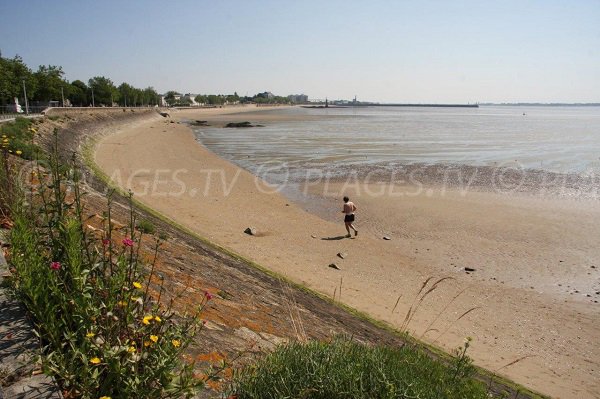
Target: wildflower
x: 176, y: 343
x: 90, y: 334
x: 55, y: 265
x: 154, y: 338
x: 95, y: 360
x: 158, y: 319
x: 18, y: 152
x: 131, y: 349
x: 146, y: 320
x: 128, y: 242
x: 122, y: 304
x: 147, y: 343
x: 208, y: 296
x: 105, y: 397
x: 105, y: 242
x: 137, y: 285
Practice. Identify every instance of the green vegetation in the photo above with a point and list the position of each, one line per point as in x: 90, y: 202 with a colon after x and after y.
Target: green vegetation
x: 146, y: 227
x: 104, y: 330
x: 346, y: 369
x: 48, y: 84
x: 17, y: 138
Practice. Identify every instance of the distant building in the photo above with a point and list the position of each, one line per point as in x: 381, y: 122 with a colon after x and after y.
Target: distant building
x: 298, y: 98
x: 266, y: 94
x: 191, y: 98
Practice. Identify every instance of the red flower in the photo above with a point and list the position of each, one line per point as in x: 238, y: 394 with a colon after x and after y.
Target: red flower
x: 208, y: 295
x: 105, y: 242
x: 128, y: 242
x: 55, y: 265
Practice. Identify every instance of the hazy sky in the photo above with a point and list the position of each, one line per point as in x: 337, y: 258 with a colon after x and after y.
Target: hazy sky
x: 388, y: 51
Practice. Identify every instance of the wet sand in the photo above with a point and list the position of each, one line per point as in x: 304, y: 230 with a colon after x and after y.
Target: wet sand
x: 513, y: 243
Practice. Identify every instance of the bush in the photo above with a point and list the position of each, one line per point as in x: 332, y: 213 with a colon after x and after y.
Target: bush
x: 146, y: 227
x: 89, y: 294
x: 17, y: 138
x: 346, y: 369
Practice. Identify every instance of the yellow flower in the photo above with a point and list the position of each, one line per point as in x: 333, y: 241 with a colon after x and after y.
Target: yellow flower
x: 5, y: 140
x: 147, y: 343
x: 137, y: 285
x: 176, y: 343
x: 18, y: 152
x: 154, y: 338
x: 146, y: 320
x: 90, y: 335
x: 105, y: 397
x: 131, y: 349
x: 158, y: 319
x: 122, y: 303
x: 95, y: 360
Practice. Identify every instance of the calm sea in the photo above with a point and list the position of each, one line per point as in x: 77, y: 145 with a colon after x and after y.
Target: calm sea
x: 564, y: 140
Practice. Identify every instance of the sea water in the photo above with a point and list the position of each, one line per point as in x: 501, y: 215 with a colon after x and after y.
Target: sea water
x: 556, y: 139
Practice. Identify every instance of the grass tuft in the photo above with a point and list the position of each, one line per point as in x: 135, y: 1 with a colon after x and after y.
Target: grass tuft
x: 350, y: 370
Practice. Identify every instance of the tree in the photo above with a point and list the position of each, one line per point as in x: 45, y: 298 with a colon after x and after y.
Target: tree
x: 50, y: 84
x: 233, y: 98
x: 104, y: 91
x: 128, y: 95
x: 150, y: 96
x: 12, y: 74
x: 170, y: 97
x: 213, y: 99
x: 201, y: 99
x: 78, y: 94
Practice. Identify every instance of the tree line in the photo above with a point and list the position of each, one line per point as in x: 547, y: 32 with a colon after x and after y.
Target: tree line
x: 173, y: 98
x: 47, y: 84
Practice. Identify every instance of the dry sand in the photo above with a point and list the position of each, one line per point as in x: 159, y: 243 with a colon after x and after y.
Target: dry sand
x: 514, y: 243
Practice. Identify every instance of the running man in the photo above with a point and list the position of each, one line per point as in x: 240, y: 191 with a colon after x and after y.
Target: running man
x: 349, y: 209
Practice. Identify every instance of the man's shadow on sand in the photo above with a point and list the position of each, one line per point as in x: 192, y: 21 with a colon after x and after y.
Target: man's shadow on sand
x: 333, y: 238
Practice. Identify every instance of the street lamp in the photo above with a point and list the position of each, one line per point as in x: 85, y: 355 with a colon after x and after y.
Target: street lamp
x: 25, y: 95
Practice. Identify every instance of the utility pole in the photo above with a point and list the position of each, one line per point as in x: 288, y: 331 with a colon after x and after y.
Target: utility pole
x: 25, y: 94
x: 62, y: 93
x: 93, y: 104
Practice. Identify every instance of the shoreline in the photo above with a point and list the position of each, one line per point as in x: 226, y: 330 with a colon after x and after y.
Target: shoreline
x: 374, y: 274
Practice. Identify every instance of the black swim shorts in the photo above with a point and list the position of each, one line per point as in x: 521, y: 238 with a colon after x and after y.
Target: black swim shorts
x: 349, y: 218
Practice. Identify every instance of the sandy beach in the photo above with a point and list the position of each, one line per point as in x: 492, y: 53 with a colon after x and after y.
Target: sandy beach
x: 527, y: 300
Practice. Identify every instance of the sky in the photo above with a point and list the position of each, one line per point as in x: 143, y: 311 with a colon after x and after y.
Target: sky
x: 385, y: 51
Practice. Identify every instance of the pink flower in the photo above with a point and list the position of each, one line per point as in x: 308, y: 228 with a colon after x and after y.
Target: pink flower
x: 55, y: 265
x: 128, y: 242
x: 105, y: 242
x: 208, y: 296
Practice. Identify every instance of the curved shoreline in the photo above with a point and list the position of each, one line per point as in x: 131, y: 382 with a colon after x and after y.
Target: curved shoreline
x: 282, y: 248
